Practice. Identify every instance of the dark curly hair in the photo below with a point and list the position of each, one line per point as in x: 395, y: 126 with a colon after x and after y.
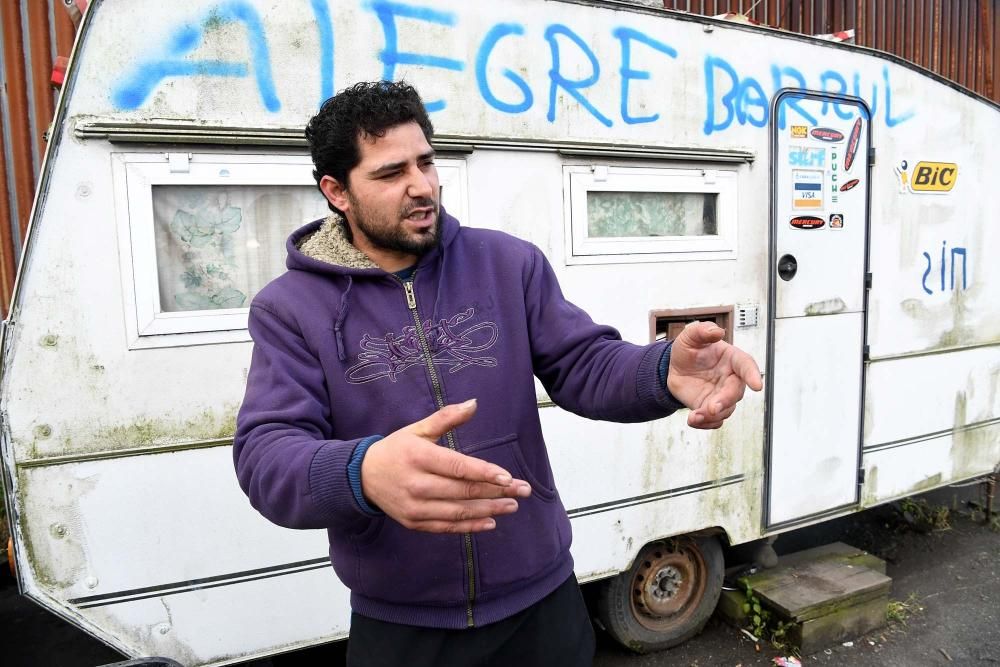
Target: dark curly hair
x: 366, y: 109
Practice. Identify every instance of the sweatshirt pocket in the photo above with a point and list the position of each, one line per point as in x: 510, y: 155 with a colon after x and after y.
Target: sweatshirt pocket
x: 529, y: 541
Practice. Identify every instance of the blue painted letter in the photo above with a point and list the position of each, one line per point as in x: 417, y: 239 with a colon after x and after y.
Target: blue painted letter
x: 325, y: 27
x: 790, y: 102
x: 392, y: 56
x: 828, y: 77
x: 571, y: 87
x: 495, y: 34
x: 889, y: 120
x: 137, y: 87
x: 728, y: 100
x: 626, y: 35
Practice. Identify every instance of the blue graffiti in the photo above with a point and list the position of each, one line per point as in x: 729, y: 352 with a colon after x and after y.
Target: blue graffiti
x: 325, y: 26
x: 495, y: 34
x: 732, y: 97
x: 392, y: 56
x: 955, y: 252
x: 137, y: 87
x: 557, y: 80
x: 626, y: 36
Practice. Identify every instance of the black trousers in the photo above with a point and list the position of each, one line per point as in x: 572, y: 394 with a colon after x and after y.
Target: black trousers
x: 555, y: 631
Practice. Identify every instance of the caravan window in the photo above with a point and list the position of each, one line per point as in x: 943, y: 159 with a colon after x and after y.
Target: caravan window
x: 204, y: 233
x: 627, y: 214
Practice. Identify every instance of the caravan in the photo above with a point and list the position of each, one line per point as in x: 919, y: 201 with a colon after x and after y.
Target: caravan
x: 827, y: 205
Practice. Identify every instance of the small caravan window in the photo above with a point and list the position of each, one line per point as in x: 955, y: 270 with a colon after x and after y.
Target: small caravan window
x: 627, y: 214
x: 204, y: 233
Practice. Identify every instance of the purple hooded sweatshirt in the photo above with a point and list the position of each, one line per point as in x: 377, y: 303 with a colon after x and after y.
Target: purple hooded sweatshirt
x: 344, y: 351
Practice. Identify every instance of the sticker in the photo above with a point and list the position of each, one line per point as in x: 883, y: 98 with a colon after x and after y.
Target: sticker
x: 849, y: 185
x: 808, y: 188
x: 807, y: 222
x: 852, y: 145
x: 836, y: 221
x: 827, y: 134
x: 930, y: 177
x: 804, y: 156
x: 799, y: 131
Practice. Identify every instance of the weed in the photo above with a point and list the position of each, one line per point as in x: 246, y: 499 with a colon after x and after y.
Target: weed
x: 899, y: 611
x: 923, y: 516
x: 762, y: 621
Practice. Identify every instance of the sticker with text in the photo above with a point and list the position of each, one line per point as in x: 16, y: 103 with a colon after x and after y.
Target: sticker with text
x: 927, y: 177
x: 849, y: 185
x: 807, y: 222
x: 827, y: 134
x: 800, y: 131
x: 852, y: 145
x: 807, y: 188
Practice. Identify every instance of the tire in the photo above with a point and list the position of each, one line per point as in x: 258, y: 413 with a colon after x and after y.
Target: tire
x: 666, y: 597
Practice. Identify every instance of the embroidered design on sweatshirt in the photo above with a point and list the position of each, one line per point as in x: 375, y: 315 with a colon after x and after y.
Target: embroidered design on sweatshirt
x: 452, y: 345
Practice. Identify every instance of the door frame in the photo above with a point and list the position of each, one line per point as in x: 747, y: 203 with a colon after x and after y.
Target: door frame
x: 868, y: 156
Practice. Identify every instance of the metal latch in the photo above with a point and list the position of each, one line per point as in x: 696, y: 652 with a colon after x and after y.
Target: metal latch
x: 180, y: 163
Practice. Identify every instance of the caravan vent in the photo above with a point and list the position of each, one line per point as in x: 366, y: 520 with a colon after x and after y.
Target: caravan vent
x: 746, y: 315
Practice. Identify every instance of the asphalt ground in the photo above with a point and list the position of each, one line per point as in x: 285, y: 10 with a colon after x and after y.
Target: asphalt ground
x: 946, y: 577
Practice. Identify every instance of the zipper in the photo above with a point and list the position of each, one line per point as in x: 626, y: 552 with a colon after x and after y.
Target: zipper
x: 411, y: 304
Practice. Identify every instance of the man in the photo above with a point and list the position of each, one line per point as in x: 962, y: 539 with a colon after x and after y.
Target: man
x: 390, y: 400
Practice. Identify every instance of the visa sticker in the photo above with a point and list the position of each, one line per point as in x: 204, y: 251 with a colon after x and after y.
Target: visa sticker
x: 807, y: 188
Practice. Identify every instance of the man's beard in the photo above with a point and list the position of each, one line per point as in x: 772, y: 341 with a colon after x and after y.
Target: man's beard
x: 391, y: 235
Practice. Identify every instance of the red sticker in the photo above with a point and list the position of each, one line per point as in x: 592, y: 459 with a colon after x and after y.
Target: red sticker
x: 807, y: 222
x: 827, y: 134
x: 849, y: 185
x: 852, y: 145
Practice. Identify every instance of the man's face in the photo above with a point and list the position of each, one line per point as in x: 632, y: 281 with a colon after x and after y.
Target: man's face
x: 391, y: 201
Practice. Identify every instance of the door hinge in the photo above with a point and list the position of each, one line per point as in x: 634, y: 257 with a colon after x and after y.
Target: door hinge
x: 868, y: 280
x: 866, y: 352
x: 871, y: 156
x: 861, y: 476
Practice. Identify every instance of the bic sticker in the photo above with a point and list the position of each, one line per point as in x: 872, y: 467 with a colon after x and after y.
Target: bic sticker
x: 803, y: 156
x: 932, y: 177
x: 799, y: 131
x: 808, y: 188
x: 836, y: 221
x: 807, y: 222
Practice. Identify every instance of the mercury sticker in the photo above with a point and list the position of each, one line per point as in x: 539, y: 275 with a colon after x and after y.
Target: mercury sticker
x: 827, y: 134
x: 836, y: 221
x: 852, y: 145
x: 849, y: 185
x: 808, y: 188
x: 799, y: 131
x: 807, y: 222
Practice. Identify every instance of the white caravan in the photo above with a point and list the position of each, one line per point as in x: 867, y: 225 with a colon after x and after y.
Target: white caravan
x: 672, y: 167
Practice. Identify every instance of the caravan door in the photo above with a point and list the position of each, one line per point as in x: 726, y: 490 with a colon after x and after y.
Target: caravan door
x: 818, y: 299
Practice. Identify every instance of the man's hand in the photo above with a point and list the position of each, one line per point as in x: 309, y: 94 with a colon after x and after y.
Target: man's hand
x: 425, y: 486
x: 708, y: 374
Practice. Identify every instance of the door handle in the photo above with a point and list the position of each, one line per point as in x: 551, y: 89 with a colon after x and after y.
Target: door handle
x: 787, y: 267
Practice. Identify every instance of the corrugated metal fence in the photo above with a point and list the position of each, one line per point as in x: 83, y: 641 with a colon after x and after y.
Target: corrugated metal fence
x: 955, y: 38
x: 34, y: 33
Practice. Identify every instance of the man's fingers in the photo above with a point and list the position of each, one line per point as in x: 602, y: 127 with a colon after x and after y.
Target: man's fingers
x: 459, y: 511
x: 746, y: 368
x: 443, y: 488
x: 437, y: 424
x: 453, y: 527
x: 444, y: 462
x: 702, y: 334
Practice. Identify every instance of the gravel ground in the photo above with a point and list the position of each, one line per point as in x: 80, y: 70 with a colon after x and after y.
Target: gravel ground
x: 948, y: 579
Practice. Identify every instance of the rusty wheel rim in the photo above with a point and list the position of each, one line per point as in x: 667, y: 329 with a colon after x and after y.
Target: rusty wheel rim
x: 668, y: 584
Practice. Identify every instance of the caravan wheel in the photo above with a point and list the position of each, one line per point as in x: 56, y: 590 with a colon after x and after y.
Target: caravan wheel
x: 667, y: 595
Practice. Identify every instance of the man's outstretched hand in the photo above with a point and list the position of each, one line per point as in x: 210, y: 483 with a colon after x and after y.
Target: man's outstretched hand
x: 709, y: 375
x: 425, y: 486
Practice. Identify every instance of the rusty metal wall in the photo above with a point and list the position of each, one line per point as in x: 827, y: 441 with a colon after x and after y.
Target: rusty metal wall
x: 32, y: 34
x: 954, y: 38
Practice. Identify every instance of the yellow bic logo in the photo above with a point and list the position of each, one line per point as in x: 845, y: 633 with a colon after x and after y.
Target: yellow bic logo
x: 934, y: 177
